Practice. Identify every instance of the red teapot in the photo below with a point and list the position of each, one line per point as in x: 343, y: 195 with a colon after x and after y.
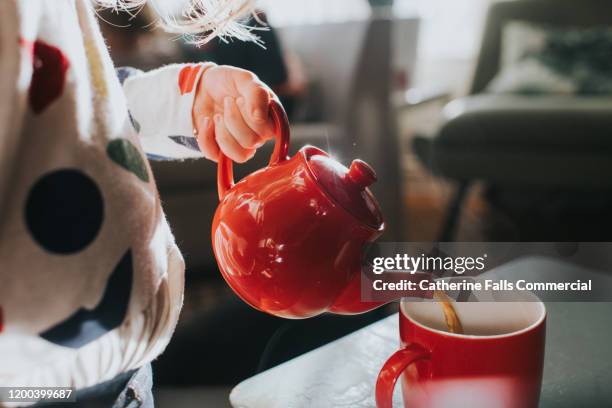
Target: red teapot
x: 289, y: 238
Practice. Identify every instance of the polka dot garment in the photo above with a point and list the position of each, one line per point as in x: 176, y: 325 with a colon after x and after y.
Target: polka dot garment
x: 57, y: 221
x: 92, y: 280
x: 49, y: 66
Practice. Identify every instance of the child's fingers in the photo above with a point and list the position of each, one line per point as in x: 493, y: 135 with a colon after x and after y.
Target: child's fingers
x: 228, y: 145
x: 206, y: 138
x: 235, y: 124
x: 255, y: 108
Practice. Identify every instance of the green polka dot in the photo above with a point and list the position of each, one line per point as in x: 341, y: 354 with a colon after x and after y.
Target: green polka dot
x: 125, y: 154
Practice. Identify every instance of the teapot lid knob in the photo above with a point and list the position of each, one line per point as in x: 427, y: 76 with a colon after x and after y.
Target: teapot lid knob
x: 361, y: 174
x: 347, y: 187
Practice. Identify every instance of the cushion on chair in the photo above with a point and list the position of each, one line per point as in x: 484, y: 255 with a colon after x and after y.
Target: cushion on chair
x: 512, y: 139
x: 546, y: 59
x: 529, y: 123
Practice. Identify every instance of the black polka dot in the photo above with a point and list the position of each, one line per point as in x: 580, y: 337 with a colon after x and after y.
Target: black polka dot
x: 85, y: 326
x: 64, y: 211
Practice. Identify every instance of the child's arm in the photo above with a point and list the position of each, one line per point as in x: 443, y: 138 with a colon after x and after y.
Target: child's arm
x: 160, y: 104
x: 193, y: 110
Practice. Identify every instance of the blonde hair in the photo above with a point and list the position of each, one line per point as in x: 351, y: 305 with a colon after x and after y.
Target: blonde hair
x: 199, y: 20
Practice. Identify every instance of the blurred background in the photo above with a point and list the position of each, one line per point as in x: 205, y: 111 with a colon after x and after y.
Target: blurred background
x: 485, y: 121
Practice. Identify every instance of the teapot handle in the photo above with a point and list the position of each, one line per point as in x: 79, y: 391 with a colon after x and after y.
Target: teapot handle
x: 225, y: 169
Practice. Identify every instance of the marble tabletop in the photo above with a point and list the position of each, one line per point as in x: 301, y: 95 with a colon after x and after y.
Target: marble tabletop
x: 577, y: 371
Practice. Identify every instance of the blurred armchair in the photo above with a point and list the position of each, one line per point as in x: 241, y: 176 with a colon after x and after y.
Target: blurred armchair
x: 552, y: 141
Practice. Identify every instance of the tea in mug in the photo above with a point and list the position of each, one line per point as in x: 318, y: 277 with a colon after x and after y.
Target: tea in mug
x: 453, y: 322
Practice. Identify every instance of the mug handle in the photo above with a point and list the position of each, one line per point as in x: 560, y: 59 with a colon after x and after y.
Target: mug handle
x: 393, y: 368
x: 225, y: 170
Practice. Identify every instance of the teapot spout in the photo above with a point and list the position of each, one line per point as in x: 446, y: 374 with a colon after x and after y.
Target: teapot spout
x: 349, y: 302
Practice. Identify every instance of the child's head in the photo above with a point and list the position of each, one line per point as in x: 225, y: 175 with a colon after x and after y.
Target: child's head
x: 201, y: 19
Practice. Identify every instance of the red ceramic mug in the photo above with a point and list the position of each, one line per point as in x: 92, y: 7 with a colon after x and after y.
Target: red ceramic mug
x: 498, y: 363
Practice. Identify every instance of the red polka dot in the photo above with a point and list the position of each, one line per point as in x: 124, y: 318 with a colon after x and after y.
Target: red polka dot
x: 49, y: 74
x: 187, y: 78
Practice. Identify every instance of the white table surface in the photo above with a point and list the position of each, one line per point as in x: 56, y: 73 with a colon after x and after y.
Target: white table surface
x: 577, y: 371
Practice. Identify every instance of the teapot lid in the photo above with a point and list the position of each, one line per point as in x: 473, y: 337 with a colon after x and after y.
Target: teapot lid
x: 348, y: 187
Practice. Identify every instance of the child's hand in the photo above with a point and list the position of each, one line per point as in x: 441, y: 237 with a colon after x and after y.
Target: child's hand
x: 230, y: 113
